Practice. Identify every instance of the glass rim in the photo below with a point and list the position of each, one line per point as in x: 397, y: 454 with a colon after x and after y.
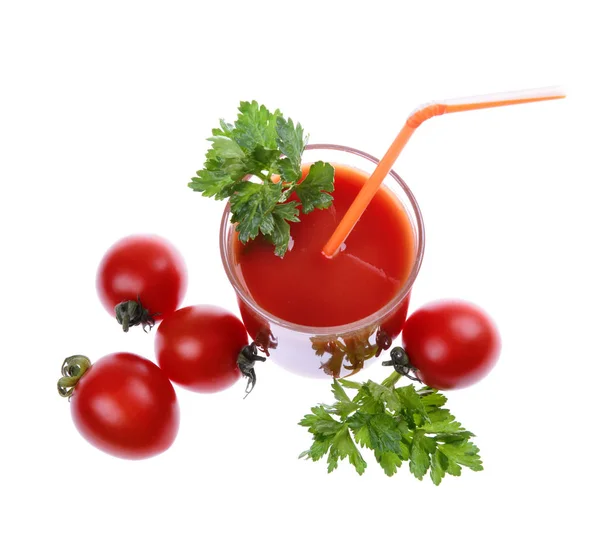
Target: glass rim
x: 340, y: 329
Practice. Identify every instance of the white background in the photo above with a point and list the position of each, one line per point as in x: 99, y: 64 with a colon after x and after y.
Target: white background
x: 104, y: 107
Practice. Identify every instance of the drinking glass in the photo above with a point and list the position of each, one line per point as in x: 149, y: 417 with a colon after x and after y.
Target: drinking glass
x: 341, y: 350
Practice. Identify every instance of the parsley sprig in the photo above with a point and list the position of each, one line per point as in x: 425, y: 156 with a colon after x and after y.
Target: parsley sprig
x: 256, y: 164
x: 398, y: 423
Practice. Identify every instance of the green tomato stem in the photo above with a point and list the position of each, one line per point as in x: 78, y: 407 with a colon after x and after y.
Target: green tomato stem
x: 402, y: 365
x: 245, y: 362
x: 73, y: 368
x: 131, y: 313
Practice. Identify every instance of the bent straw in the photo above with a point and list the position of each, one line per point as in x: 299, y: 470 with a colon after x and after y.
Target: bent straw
x: 435, y: 108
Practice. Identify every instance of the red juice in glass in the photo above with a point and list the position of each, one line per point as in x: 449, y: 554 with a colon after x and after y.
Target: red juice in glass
x: 328, y: 317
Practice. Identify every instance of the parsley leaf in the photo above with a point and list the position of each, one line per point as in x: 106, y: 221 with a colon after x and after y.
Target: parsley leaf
x: 397, y: 424
x: 252, y: 206
x: 344, y: 405
x: 291, y: 142
x: 282, y: 215
x: 255, y: 126
x: 420, y: 450
x: 343, y: 446
x: 256, y: 163
x: 312, y: 191
x: 319, y: 421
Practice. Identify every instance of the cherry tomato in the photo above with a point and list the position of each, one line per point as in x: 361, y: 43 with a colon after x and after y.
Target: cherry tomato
x: 145, y: 269
x: 452, y: 343
x: 126, y: 406
x: 197, y: 347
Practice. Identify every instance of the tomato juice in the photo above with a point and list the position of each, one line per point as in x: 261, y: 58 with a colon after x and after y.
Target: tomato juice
x: 304, y: 287
x: 318, y: 316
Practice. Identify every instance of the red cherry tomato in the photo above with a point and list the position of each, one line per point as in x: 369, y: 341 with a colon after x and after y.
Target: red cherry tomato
x: 145, y: 268
x: 197, y: 347
x: 126, y: 406
x: 453, y: 344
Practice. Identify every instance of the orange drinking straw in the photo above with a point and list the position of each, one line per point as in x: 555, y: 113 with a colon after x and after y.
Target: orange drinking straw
x: 435, y: 108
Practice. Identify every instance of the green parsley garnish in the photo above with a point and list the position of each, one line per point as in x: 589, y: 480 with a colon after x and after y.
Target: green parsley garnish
x: 398, y: 424
x: 256, y: 164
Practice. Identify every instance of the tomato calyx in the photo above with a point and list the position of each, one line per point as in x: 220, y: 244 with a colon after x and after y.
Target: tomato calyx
x: 245, y: 362
x: 73, y: 368
x: 131, y: 313
x: 402, y: 365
